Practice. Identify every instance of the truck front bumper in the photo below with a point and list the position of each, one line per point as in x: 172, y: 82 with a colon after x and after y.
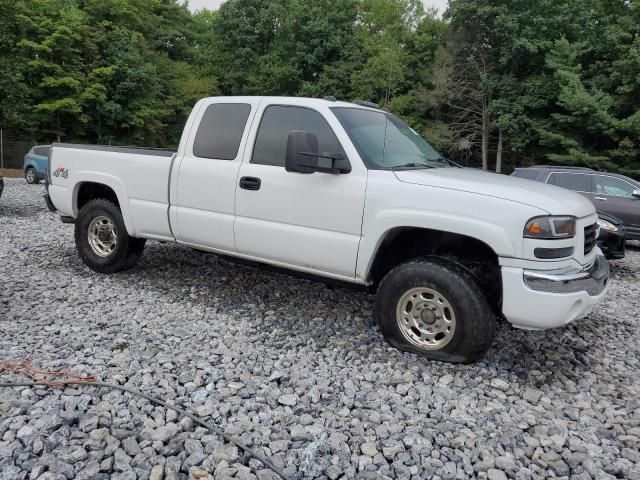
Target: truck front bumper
x: 541, y: 299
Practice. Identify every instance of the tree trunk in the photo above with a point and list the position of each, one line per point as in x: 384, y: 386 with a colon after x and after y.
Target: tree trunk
x: 485, y: 139
x: 499, y: 154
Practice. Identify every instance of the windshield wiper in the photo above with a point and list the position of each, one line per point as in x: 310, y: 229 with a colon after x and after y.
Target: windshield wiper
x: 450, y: 162
x: 412, y: 165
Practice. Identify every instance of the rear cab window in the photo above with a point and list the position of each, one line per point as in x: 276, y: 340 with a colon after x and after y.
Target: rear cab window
x: 220, y: 131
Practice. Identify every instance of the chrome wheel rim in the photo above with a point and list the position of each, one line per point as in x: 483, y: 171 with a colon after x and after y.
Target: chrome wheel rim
x: 30, y: 175
x: 425, y: 318
x: 102, y: 235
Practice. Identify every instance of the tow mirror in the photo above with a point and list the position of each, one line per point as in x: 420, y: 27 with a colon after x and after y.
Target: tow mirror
x: 635, y: 193
x: 303, y: 156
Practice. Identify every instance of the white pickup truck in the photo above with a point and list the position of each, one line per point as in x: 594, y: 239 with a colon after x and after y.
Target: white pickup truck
x: 348, y: 192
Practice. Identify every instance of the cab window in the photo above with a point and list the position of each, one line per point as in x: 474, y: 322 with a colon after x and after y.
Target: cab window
x: 278, y: 121
x: 220, y: 131
x: 578, y: 182
x: 606, y: 185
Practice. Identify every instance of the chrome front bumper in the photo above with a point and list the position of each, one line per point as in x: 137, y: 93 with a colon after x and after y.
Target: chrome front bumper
x: 570, y: 280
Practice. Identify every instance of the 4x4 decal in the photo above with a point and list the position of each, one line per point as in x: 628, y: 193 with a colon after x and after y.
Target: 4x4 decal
x: 61, y: 172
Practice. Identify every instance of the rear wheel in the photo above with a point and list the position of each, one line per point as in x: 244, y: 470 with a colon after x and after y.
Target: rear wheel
x: 102, y: 239
x: 31, y: 176
x: 435, y: 308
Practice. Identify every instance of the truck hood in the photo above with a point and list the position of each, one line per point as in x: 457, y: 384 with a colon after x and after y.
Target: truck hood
x: 554, y: 200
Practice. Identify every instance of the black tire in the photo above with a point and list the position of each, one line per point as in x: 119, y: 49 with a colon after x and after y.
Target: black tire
x: 127, y: 250
x: 31, y: 176
x: 475, y: 320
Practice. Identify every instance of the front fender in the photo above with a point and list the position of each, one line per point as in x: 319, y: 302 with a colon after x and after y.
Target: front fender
x: 495, y: 236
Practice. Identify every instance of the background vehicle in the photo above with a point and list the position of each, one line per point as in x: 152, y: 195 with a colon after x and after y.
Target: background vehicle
x: 611, y: 193
x: 35, y: 163
x: 612, y: 237
x: 345, y: 192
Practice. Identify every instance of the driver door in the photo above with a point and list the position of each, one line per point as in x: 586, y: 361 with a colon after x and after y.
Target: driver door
x: 615, y: 197
x: 312, y: 221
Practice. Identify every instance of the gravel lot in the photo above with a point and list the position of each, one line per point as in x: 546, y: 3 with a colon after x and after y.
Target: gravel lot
x: 294, y: 368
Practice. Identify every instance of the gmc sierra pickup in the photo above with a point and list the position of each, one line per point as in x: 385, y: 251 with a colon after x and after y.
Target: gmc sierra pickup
x: 348, y: 192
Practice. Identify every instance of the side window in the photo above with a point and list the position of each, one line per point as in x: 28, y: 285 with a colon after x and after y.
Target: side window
x: 578, y: 182
x: 220, y: 131
x: 613, y: 186
x: 278, y: 121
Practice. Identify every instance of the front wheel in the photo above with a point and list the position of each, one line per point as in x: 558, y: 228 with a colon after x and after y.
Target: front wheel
x: 31, y: 176
x: 435, y: 308
x: 102, y: 239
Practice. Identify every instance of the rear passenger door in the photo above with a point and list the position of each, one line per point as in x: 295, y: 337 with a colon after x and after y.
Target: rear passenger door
x: 615, y: 197
x: 203, y: 202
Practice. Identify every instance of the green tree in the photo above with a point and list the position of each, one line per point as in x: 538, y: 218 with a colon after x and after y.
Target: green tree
x: 52, y: 44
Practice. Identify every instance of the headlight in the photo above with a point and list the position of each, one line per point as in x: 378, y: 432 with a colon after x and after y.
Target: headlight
x: 550, y: 228
x: 608, y: 226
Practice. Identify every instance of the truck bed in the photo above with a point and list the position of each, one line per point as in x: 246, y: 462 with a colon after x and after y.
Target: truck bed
x: 138, y: 176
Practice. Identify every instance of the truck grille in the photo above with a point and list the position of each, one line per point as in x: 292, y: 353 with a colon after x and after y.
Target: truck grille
x: 590, y: 238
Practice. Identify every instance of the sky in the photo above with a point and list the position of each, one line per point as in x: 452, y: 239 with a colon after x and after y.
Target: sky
x: 214, y: 4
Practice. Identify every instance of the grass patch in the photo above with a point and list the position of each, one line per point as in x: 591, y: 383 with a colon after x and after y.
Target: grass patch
x: 12, y: 173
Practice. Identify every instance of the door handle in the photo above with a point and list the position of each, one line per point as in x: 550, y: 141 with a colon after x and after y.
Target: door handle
x: 250, y: 183
x: 600, y: 198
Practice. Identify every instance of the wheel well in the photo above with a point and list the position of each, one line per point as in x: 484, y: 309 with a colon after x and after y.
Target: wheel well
x: 90, y: 191
x: 405, y: 243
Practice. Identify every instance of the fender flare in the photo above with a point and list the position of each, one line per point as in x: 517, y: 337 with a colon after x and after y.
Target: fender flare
x: 111, y: 181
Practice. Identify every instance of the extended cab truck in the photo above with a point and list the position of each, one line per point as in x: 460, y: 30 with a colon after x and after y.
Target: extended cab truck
x: 346, y: 192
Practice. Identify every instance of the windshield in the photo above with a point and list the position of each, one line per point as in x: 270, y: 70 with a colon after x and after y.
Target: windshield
x: 385, y: 141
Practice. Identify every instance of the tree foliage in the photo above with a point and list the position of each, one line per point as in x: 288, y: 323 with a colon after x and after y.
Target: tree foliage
x: 544, y: 81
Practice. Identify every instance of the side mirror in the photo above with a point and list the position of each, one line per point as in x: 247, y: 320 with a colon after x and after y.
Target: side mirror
x: 303, y: 157
x: 635, y: 193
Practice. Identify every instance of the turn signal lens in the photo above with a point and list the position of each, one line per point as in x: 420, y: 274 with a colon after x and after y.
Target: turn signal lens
x: 534, y: 228
x: 550, y: 228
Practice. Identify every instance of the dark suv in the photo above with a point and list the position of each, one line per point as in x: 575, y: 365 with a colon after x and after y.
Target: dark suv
x: 611, y: 193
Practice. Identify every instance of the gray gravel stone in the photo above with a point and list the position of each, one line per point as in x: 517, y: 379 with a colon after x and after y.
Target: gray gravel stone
x: 532, y: 395
x: 494, y: 474
x: 164, y: 433
x: 369, y: 449
x: 157, y: 472
x: 121, y: 461
x: 130, y: 445
x: 89, y: 471
x: 289, y: 399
